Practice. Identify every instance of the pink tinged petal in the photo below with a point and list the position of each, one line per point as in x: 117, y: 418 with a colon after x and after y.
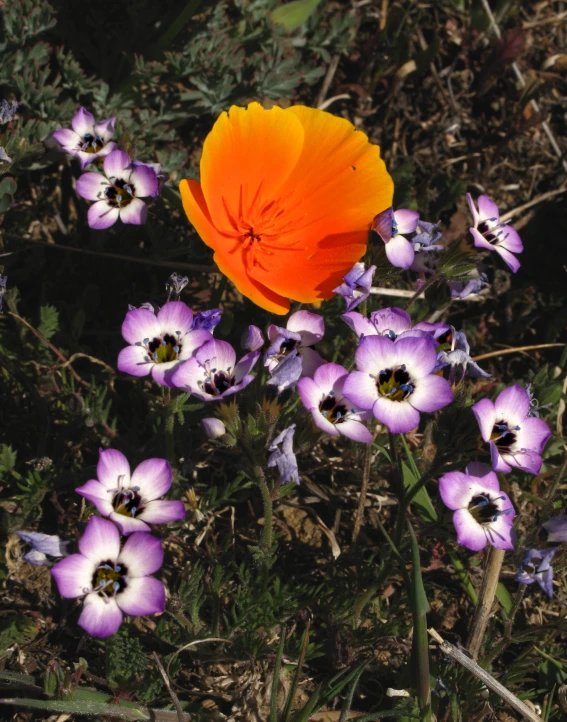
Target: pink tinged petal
x: 73, y: 575
x: 135, y: 213
x: 144, y: 180
x: 484, y: 473
x: 406, y: 220
x: 496, y: 459
x: 391, y: 319
x: 310, y: 361
x: 355, y: 430
x: 242, y: 384
x: 100, y: 617
x: 398, y: 416
x: 162, y: 512
x: 245, y: 365
x: 533, y: 434
x: 252, y: 339
x: 142, y: 555
x: 511, y: 240
x: 187, y: 376
x: 456, y: 489
x: 310, y: 393
x: 91, y: 186
x: 469, y: 532
x: 431, y: 393
x: 512, y: 405
x: 105, y: 128
x: 192, y: 342
x: 322, y: 423
x: 219, y: 354
x: 480, y: 241
x: 487, y: 210
x: 104, y: 151
x: 134, y: 360
x: 327, y: 375
x: 117, y: 165
x: 98, y: 495
x: 153, y: 478
x: 163, y: 373
x: 310, y: 326
x: 361, y: 325
x: 375, y: 353
x: 66, y: 137
x: 175, y: 316
x: 113, y: 469
x: 101, y: 216
x: 83, y: 122
x: 500, y: 533
x: 526, y: 460
x: 101, y: 540
x: 129, y: 525
x: 473, y: 210
x: 140, y: 324
x: 400, y: 252
x: 144, y: 595
x: 509, y: 259
x: 85, y: 158
x: 418, y: 354
x: 485, y: 413
x: 360, y: 389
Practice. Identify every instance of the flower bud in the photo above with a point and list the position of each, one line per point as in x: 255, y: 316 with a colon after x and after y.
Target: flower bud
x: 213, y: 428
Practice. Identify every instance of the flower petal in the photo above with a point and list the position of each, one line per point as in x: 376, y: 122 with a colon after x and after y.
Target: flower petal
x: 406, y: 220
x: 143, y: 595
x: 327, y: 376
x: 509, y: 259
x: 113, y: 469
x: 162, y: 373
x: 400, y: 252
x: 375, y: 353
x: 67, y: 137
x: 100, y: 617
x: 457, y: 489
x: 129, y: 525
x: 100, y: 541
x: 91, y: 186
x: 497, y: 460
x: 310, y: 361
x: 192, y: 342
x: 162, y: 512
x: 245, y: 365
x: 134, y: 360
x: 175, y: 316
x: 526, y: 460
x: 355, y: 430
x: 431, y: 393
x: 142, y: 554
x: 391, y: 319
x: 487, y: 210
x: 485, y: 413
x: 98, y: 495
x: 187, y: 376
x: 144, y: 180
x: 322, y: 423
x: 101, y: 216
x: 310, y: 326
x: 500, y: 533
x: 117, y: 165
x: 361, y: 325
x: 139, y: 324
x: 418, y: 354
x: 153, y: 478
x: 512, y: 405
x: 398, y: 416
x: 219, y: 354
x: 360, y: 389
x: 533, y: 434
x: 73, y: 575
x: 310, y: 393
x: 469, y: 532
x: 135, y: 213
x: 105, y: 128
x: 83, y: 122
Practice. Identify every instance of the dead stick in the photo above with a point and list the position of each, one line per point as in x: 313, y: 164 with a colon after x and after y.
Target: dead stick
x: 492, y: 684
x: 181, y: 716
x: 518, y: 349
x: 485, y: 601
x: 359, y: 517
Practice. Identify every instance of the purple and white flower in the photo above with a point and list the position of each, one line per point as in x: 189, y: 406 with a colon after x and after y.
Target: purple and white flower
x: 213, y: 374
x: 132, y: 501
x: 45, y: 548
x: 159, y: 343
x: 118, y: 192
x: 462, y: 289
x: 489, y: 233
x: 459, y: 361
x: 393, y: 323
x: 284, y: 458
x: 516, y: 439
x: 332, y: 412
x: 213, y: 428
x: 483, y: 514
x: 356, y: 286
x: 536, y: 567
x: 395, y: 380
x: 303, y: 330
x: 88, y: 140
x: 111, y: 580
x: 426, y: 237
x: 252, y: 339
x: 392, y: 227
x: 207, y: 320
x: 556, y: 529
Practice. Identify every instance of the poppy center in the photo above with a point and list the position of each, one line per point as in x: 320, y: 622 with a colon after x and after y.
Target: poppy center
x: 333, y: 410
x: 164, y: 350
x: 91, y: 143
x: 110, y: 578
x: 119, y: 194
x: 128, y: 502
x: 502, y: 435
x: 395, y: 384
x: 483, y: 509
x: 217, y: 382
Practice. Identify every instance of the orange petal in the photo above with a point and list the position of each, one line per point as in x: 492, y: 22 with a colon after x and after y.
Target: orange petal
x: 250, y: 149
x: 232, y: 265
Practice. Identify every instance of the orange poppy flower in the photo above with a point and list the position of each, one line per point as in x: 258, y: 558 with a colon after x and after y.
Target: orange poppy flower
x: 286, y: 200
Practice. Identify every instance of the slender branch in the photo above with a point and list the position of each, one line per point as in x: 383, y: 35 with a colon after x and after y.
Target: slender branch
x: 174, y: 698
x: 507, y: 636
x: 359, y: 517
x: 487, y: 679
x: 394, y: 292
x: 518, y: 349
x: 486, y: 600
x: 430, y: 282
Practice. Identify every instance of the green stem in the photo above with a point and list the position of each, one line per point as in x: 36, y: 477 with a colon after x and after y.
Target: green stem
x: 169, y: 441
x: 430, y: 282
x: 267, y: 538
x: 400, y: 491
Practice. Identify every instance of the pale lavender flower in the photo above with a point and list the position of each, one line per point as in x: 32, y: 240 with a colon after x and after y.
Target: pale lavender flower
x: 213, y: 374
x: 332, y: 413
x: 8, y: 110
x: 396, y: 381
x: 159, y: 342
x: 88, y: 140
x: 303, y: 330
x: 252, y: 339
x: 118, y: 192
x: 393, y: 323
x: 426, y: 237
x: 556, y: 529
x: 459, y: 360
x: 45, y: 548
x: 356, y: 286
x: 515, y: 438
x: 490, y: 234
x: 483, y: 513
x: 207, y: 320
x: 213, y: 428
x: 462, y: 289
x: 392, y: 227
x: 287, y: 373
x: 161, y: 176
x: 112, y: 581
x: 536, y: 567
x: 284, y: 458
x: 132, y: 501
x: 174, y: 285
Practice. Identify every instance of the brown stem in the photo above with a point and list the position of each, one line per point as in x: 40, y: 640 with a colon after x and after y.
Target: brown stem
x: 359, y: 517
x: 485, y: 601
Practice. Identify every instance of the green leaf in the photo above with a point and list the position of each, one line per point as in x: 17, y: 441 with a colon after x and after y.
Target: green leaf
x: 421, y: 501
x: 503, y: 596
x: 49, y: 321
x: 292, y: 15
x: 8, y: 185
x: 6, y: 202
x: 81, y: 707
